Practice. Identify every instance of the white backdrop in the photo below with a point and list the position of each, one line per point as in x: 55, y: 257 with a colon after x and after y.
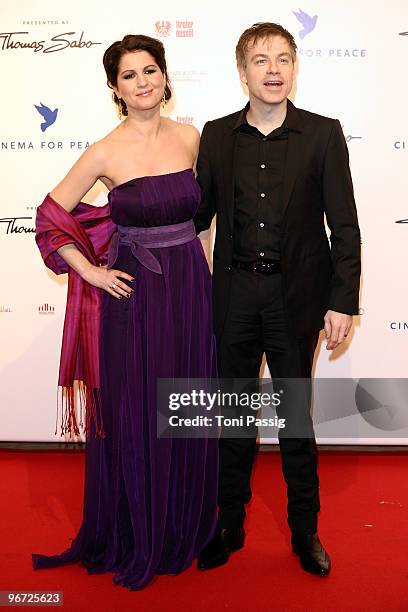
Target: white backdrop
x: 352, y: 66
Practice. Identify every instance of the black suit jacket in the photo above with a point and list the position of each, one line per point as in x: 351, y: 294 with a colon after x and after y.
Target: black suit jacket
x: 317, y: 274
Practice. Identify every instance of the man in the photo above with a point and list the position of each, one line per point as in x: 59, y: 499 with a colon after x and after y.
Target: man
x: 271, y: 173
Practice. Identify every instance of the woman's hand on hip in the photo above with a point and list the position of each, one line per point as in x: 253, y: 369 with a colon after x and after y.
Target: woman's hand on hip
x: 109, y: 280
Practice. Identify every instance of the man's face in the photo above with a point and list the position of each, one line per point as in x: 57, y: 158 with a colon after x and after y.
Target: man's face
x: 269, y: 70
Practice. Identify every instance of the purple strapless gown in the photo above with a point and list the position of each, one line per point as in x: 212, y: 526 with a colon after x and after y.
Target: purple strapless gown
x: 149, y: 504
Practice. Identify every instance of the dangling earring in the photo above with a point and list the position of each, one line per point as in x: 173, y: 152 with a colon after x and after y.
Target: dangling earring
x: 120, y: 109
x: 163, y: 101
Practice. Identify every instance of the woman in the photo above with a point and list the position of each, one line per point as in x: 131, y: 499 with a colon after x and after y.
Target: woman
x: 149, y: 504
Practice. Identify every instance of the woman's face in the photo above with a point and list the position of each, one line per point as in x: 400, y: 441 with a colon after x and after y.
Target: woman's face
x: 140, y: 81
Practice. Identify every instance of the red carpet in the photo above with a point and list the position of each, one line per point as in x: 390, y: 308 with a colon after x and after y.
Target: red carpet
x: 363, y: 525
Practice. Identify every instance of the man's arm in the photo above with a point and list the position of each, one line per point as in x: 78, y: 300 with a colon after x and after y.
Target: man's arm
x: 206, y: 210
x: 341, y: 215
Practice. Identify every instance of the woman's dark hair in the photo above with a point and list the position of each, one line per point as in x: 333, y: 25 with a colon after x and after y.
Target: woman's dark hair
x: 129, y: 43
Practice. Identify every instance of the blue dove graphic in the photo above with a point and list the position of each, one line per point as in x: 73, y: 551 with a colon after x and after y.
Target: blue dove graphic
x: 308, y: 22
x: 48, y: 115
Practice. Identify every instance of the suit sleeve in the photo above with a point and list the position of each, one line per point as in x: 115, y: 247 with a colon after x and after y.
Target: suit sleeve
x: 207, y: 208
x: 341, y: 216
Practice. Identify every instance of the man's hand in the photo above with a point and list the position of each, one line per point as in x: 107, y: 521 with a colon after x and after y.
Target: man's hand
x: 336, y: 326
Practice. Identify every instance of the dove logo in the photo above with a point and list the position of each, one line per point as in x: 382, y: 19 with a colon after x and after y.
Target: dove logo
x: 48, y: 115
x: 308, y: 22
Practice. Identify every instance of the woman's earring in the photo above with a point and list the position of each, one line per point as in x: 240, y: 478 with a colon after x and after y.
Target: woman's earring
x: 163, y: 101
x: 120, y: 113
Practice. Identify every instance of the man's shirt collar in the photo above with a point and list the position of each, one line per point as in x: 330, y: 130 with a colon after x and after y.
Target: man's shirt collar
x: 291, y: 122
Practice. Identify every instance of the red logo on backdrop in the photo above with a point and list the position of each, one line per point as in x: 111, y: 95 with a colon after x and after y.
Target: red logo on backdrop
x: 163, y: 28
x: 185, y: 119
x: 46, y: 309
x: 184, y: 29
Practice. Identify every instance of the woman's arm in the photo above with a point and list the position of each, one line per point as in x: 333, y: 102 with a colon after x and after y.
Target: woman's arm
x: 68, y: 193
x: 82, y: 176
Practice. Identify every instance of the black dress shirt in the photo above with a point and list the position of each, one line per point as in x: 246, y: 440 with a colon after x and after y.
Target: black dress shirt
x: 259, y: 170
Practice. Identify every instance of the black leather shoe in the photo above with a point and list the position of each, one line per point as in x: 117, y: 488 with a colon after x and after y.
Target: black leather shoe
x: 217, y: 551
x: 313, y: 557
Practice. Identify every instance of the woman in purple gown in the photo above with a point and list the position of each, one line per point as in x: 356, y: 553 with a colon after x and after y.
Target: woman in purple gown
x: 149, y: 503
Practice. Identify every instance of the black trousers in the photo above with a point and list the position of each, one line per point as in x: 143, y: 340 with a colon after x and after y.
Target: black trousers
x: 256, y: 325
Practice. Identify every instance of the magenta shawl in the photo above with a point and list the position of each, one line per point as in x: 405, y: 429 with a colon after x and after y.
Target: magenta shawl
x: 90, y: 229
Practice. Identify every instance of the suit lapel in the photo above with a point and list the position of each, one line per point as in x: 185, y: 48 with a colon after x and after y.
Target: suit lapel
x: 228, y: 156
x: 293, y: 156
x: 293, y: 160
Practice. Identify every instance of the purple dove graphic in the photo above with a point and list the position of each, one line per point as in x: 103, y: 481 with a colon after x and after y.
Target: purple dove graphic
x: 48, y: 115
x: 308, y: 22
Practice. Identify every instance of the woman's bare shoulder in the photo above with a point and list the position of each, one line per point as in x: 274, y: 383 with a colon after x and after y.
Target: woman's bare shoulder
x: 110, y: 139
x: 187, y: 133
x: 185, y: 130
x: 101, y: 151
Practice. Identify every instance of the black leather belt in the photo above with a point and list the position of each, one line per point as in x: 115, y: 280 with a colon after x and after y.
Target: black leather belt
x: 258, y: 267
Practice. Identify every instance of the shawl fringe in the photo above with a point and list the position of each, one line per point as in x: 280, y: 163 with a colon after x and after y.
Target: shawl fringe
x: 90, y: 229
x: 81, y: 410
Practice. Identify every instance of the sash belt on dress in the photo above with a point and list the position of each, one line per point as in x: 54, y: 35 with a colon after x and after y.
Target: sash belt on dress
x: 140, y: 239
